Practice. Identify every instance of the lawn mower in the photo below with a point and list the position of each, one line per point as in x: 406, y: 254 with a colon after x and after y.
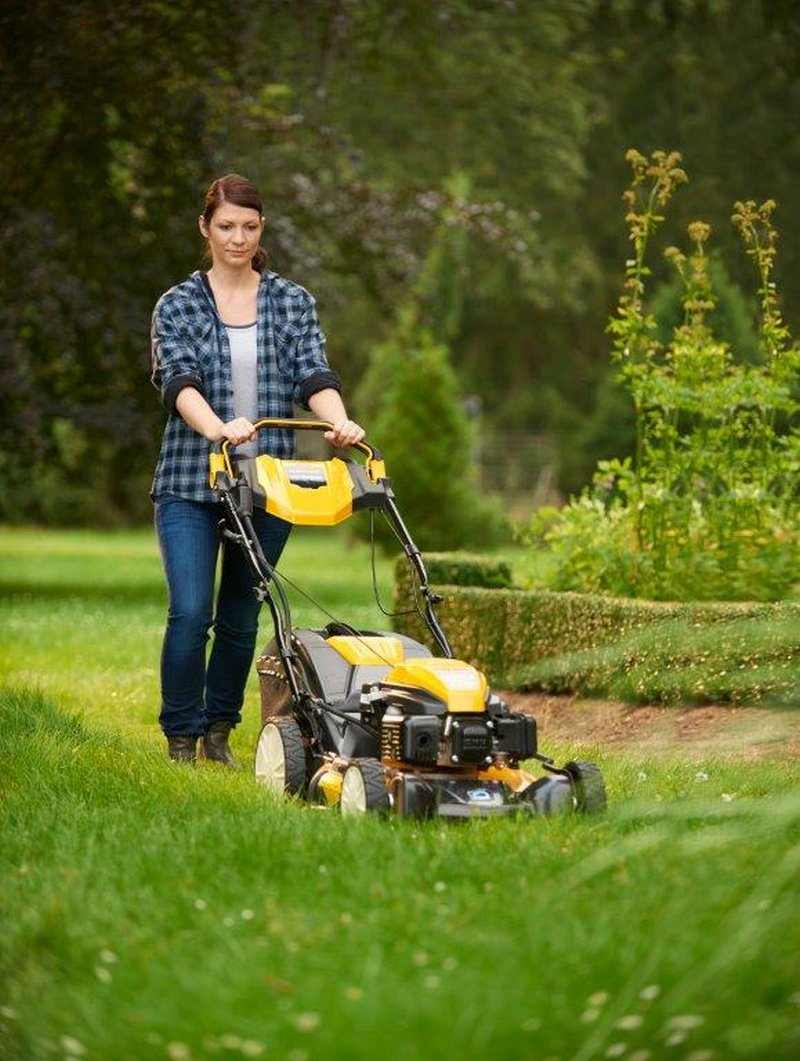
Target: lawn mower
x: 374, y: 721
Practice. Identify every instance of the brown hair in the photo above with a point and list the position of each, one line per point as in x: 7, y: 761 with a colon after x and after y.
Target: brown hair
x: 239, y: 191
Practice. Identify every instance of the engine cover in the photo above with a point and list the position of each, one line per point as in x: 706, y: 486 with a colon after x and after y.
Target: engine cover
x: 410, y: 739
x: 470, y: 740
x: 421, y: 739
x: 516, y: 736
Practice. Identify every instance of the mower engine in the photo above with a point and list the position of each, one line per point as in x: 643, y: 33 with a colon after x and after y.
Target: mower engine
x: 441, y: 717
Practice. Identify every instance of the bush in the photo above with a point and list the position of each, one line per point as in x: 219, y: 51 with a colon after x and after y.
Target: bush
x: 744, y: 659
x: 423, y: 432
x: 476, y: 612
x: 707, y: 507
x: 463, y: 569
x: 595, y: 644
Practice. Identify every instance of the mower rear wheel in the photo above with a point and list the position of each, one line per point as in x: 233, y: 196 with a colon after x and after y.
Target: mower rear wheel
x: 364, y: 788
x: 280, y: 761
x: 590, y: 790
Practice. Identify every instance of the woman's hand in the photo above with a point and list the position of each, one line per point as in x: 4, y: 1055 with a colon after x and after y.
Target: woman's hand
x: 236, y: 431
x: 345, y: 433
x: 199, y: 415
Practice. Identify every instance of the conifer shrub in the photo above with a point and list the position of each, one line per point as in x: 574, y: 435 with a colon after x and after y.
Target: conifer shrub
x: 410, y: 398
x: 422, y: 430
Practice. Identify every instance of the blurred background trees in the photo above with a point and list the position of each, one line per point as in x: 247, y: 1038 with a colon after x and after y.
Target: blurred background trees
x: 371, y: 127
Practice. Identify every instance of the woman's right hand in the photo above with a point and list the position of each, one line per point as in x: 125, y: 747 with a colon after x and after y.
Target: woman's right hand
x: 199, y: 415
x: 237, y: 431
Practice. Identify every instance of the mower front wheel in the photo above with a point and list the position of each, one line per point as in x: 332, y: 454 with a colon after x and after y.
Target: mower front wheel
x: 280, y: 761
x: 364, y: 788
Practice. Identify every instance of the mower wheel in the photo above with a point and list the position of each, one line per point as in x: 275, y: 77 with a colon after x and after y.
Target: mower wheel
x: 590, y: 791
x: 364, y: 788
x: 280, y: 761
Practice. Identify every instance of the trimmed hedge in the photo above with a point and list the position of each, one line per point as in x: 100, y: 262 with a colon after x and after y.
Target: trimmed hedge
x: 473, y: 617
x: 744, y: 660
x: 460, y: 569
x: 589, y: 643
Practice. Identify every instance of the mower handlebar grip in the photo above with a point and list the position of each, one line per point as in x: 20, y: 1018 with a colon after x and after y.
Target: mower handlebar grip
x: 369, y: 451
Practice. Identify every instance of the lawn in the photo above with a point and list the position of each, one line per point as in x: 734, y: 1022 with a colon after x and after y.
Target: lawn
x: 155, y: 911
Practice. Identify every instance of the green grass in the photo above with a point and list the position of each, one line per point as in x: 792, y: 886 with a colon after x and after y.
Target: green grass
x: 83, y: 613
x: 157, y: 911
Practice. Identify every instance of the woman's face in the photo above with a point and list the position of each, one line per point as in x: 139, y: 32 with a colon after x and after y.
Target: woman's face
x: 233, y: 234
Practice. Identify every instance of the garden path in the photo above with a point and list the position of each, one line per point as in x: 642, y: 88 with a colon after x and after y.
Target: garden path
x: 718, y: 730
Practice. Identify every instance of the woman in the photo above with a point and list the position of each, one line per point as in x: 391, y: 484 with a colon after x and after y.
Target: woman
x: 229, y: 346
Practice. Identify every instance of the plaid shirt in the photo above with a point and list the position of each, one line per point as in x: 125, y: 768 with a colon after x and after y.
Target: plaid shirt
x: 190, y: 348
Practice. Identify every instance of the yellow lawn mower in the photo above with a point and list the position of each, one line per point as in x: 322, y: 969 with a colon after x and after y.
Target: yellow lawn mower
x: 373, y: 721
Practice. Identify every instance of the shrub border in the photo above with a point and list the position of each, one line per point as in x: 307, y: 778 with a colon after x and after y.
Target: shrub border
x: 505, y: 631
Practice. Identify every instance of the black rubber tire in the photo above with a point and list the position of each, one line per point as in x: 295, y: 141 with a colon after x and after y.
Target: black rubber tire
x: 590, y: 789
x: 280, y: 758
x: 364, y: 788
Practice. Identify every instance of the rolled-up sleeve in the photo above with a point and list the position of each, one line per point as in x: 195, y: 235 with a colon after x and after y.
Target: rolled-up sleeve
x: 174, y: 360
x: 312, y: 372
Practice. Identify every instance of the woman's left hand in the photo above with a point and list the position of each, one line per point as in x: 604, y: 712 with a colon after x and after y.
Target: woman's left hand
x: 345, y: 433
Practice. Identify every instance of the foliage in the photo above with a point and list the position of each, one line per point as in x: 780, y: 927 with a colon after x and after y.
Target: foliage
x: 752, y: 659
x: 609, y: 429
x: 463, y: 569
x: 115, y: 118
x: 635, y: 650
x: 417, y: 419
x: 707, y: 506
x: 424, y: 434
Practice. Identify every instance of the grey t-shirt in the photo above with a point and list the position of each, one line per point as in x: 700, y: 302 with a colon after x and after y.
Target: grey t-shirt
x: 244, y: 377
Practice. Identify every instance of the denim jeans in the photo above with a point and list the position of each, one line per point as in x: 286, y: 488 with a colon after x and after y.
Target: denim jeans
x: 193, y: 695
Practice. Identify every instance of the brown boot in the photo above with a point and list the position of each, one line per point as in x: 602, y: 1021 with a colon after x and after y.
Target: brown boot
x: 182, y: 749
x: 214, y: 745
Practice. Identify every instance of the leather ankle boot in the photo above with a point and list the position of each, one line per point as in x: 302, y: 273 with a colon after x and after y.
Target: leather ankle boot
x: 214, y: 745
x: 182, y: 749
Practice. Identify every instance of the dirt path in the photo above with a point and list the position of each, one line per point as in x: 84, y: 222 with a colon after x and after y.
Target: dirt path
x: 713, y: 730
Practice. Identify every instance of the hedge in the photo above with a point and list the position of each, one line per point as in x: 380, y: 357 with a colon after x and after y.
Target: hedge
x: 590, y: 643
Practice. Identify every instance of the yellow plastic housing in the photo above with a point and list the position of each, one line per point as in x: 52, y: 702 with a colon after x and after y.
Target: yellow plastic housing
x: 459, y: 685
x: 216, y: 463
x: 330, y: 785
x: 368, y: 651
x: 306, y: 492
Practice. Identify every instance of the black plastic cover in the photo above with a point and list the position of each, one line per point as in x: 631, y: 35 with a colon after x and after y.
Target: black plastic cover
x: 516, y: 736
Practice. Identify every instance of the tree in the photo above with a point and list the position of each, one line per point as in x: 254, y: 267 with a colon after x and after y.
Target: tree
x: 418, y: 419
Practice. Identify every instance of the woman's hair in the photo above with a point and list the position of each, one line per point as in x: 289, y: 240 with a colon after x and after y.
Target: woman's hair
x: 239, y: 191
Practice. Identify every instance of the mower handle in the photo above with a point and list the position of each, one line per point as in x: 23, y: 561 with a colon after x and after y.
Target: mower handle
x: 374, y: 458
x: 376, y: 472
x: 308, y: 425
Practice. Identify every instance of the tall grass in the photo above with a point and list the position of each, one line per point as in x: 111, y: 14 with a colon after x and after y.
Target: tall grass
x: 156, y: 911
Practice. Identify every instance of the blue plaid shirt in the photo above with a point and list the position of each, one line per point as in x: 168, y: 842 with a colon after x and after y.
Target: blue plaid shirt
x: 190, y: 348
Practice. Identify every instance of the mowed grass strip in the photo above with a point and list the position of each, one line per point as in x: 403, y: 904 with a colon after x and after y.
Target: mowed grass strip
x: 82, y: 613
x: 151, y: 910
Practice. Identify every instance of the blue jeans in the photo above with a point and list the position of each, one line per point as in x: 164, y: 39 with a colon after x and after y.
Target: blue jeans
x: 195, y: 696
